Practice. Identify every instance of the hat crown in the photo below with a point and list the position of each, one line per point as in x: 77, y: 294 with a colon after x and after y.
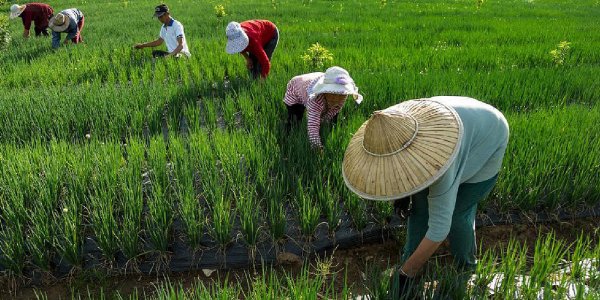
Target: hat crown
x: 389, y: 132
x: 337, y: 75
x: 233, y: 30
x: 59, y: 19
x: 161, y: 8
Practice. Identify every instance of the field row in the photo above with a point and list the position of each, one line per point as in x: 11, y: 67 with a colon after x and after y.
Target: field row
x: 553, y: 270
x: 127, y: 194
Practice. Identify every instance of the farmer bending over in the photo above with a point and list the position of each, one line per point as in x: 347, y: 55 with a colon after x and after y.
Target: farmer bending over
x: 171, y: 33
x: 38, y: 13
x: 442, y: 155
x: 322, y: 95
x: 255, y: 40
x: 69, y: 21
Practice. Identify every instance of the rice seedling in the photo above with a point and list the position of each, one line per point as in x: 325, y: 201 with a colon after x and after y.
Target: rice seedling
x: 357, y: 210
x: 69, y: 239
x: 548, y: 253
x: 383, y: 211
x: 250, y: 216
x: 514, y: 257
x: 102, y: 200
x: 191, y: 212
x: 131, y: 201
x: 159, y: 219
x: 12, y: 247
x: 329, y: 201
x: 222, y: 221
x: 309, y: 212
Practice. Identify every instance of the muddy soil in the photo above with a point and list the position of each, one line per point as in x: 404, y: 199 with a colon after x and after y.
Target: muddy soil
x: 352, y: 262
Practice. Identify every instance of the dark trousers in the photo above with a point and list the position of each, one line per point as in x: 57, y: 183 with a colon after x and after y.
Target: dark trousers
x: 159, y: 53
x: 462, y: 230
x: 41, y: 31
x: 41, y: 26
x: 296, y: 113
x: 269, y: 49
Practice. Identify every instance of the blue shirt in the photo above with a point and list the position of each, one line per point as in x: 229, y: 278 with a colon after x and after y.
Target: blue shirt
x: 483, y: 143
x: 75, y: 16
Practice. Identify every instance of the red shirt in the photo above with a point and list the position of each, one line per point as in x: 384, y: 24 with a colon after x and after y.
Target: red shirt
x: 260, y: 33
x: 38, y: 13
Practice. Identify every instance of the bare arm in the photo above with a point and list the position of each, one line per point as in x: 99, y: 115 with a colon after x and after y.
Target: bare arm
x: 154, y: 43
x: 423, y: 252
x: 179, y: 47
x: 248, y: 60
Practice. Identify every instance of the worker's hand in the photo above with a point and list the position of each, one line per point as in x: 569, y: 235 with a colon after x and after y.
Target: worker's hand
x: 138, y: 46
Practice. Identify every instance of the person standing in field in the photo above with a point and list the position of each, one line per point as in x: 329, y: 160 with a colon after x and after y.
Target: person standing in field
x: 256, y: 41
x: 322, y: 95
x: 440, y: 157
x: 171, y: 33
x: 69, y: 21
x: 38, y: 13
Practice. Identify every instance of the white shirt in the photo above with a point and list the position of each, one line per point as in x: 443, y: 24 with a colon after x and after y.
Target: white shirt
x: 170, y: 32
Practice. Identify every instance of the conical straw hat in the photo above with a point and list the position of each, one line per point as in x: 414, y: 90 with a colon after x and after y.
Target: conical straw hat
x: 402, y: 149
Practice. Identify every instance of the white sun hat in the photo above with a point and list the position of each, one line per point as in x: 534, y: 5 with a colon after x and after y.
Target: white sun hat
x: 402, y: 150
x: 16, y: 10
x: 336, y: 80
x: 59, y: 23
x: 237, y: 39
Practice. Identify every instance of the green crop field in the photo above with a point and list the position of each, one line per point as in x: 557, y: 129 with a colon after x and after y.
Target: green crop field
x: 100, y: 141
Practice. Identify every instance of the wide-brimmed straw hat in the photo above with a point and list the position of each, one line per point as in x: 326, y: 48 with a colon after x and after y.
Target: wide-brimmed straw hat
x: 59, y: 23
x: 336, y: 80
x: 16, y: 10
x: 237, y: 39
x: 402, y: 150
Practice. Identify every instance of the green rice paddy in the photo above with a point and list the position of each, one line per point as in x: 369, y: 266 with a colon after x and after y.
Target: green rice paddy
x: 101, y: 141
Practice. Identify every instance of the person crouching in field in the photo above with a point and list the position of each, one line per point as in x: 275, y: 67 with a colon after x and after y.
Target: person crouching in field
x: 256, y: 40
x: 171, y: 33
x: 38, y: 13
x: 69, y: 21
x: 322, y: 95
x: 440, y: 156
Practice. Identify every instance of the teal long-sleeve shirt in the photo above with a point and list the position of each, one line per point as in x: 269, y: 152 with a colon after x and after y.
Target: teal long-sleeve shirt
x: 484, y: 141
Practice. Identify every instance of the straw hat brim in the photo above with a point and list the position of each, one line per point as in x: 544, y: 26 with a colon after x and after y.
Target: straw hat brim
x: 60, y: 28
x: 406, y: 172
x: 14, y: 15
x: 238, y: 44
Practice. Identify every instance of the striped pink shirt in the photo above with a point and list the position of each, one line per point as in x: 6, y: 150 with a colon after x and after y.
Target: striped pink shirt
x: 297, y: 92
